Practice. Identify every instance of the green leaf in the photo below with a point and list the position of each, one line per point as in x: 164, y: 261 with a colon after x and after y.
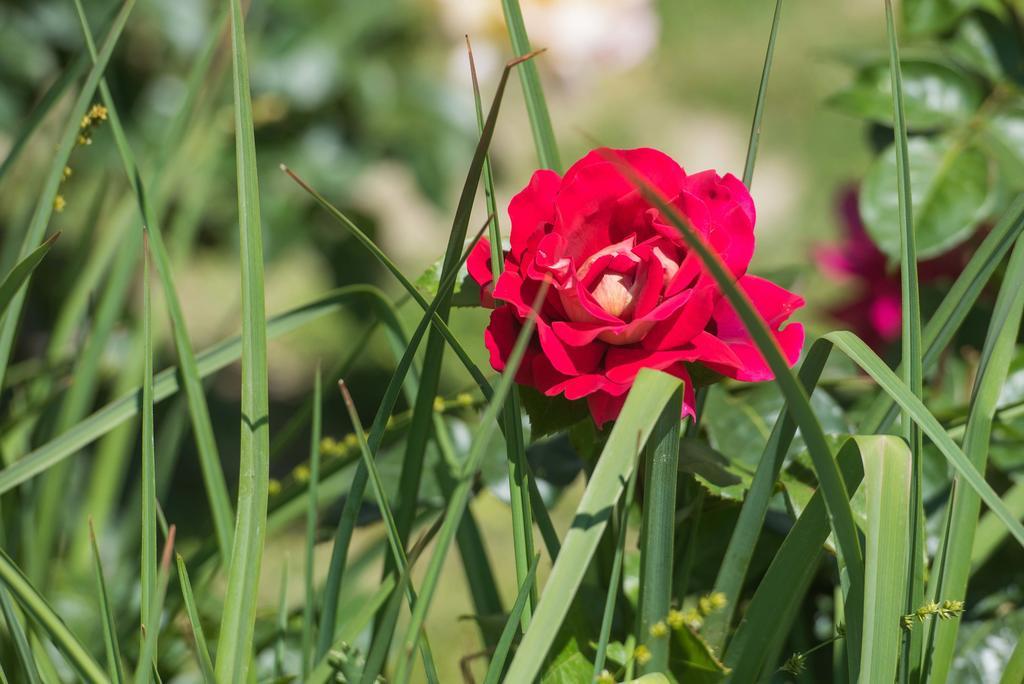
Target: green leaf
x: 950, y: 188
x: 651, y: 391
x: 887, y: 483
x: 22, y: 270
x: 308, y: 609
x: 234, y: 644
x: 198, y: 636
x: 508, y: 633
x: 550, y: 415
x: 933, y: 16
x: 937, y: 94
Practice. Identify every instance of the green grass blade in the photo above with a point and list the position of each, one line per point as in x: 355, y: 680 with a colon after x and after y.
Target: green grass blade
x: 148, y: 549
x: 762, y: 94
x: 515, y: 449
x: 830, y: 481
x: 508, y: 632
x: 308, y: 614
x: 20, y: 639
x: 996, y: 357
x: 234, y: 644
x: 536, y: 105
x: 887, y: 484
x: 44, y: 207
x: 166, y: 384
x: 661, y: 468
x: 23, y: 269
x: 911, y: 351
x: 36, y: 606
x: 733, y: 570
x: 650, y: 393
x: 282, y: 619
x: 1014, y: 671
x: 198, y: 636
x: 202, y: 428
x: 110, y: 638
x: 614, y: 578
x: 53, y: 95
x: 991, y: 531
x: 390, y: 528
x: 146, y: 666
x: 460, y: 497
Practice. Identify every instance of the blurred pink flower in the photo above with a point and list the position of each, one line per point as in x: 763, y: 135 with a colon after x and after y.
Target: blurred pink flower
x: 874, y: 310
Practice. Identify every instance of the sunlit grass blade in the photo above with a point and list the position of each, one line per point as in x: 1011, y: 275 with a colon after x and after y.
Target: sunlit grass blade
x: 460, y: 497
x: 991, y: 531
x: 35, y: 605
x: 887, y: 550
x: 831, y: 483
x: 166, y: 383
x: 651, y: 391
x: 17, y: 634
x: 308, y: 614
x: 536, y: 105
x: 390, y: 528
x: 44, y: 208
x: 733, y: 570
x: 508, y: 632
x: 22, y: 270
x: 202, y: 428
x: 615, y: 577
x: 198, y: 636
x: 657, y: 534
x: 147, y: 654
x: 149, y: 569
x: 994, y: 365
x: 110, y: 638
x: 762, y: 94
x: 910, y: 349
x: 234, y: 644
x: 515, y: 449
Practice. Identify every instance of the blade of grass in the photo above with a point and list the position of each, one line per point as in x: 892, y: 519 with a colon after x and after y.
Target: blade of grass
x: 308, y: 615
x: 282, y: 619
x: 148, y: 545
x: 202, y: 428
x: 994, y: 366
x: 650, y: 392
x: 192, y: 611
x: 390, y: 528
x: 657, y: 534
x: 147, y: 654
x: 234, y: 643
x: 44, y: 207
x: 460, y: 497
x: 911, y: 350
x: 615, y: 578
x: 762, y: 95
x: 508, y: 632
x: 110, y: 638
x: 1014, y: 671
x: 529, y: 77
x: 991, y: 531
x: 22, y: 270
x: 888, y: 475
x: 519, y: 497
x: 36, y: 606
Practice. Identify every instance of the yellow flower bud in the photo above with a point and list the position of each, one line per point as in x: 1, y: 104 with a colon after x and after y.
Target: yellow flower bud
x: 642, y: 654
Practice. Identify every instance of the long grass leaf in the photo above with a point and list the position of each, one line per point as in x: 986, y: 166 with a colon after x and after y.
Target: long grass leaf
x: 508, y: 632
x: 235, y: 641
x: 22, y: 270
x: 762, y: 95
x: 110, y: 638
x: 147, y: 653
x: 536, y: 105
x: 17, y: 634
x: 198, y: 636
x: 148, y: 548
x: 44, y: 206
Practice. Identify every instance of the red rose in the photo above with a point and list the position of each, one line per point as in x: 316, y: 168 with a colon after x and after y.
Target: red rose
x: 626, y: 293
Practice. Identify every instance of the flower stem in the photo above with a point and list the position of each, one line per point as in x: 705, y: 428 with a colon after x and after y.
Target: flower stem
x: 661, y: 464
